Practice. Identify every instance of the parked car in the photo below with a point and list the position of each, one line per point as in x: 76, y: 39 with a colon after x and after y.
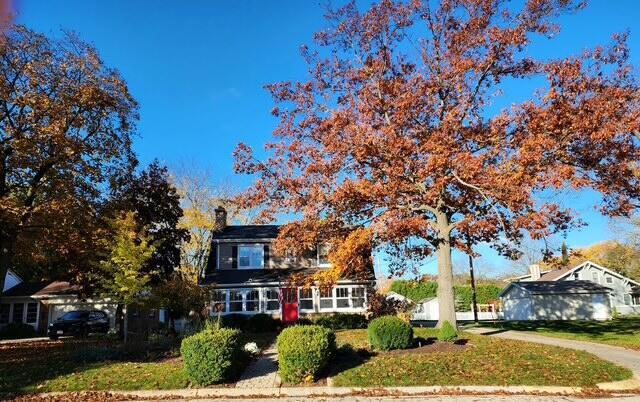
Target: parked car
x: 79, y: 323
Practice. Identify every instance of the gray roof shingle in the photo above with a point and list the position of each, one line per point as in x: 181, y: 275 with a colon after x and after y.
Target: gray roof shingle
x: 247, y: 232
x: 562, y: 287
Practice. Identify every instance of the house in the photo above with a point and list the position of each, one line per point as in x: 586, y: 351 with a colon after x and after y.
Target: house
x: 624, y: 296
x: 556, y: 300
x: 39, y: 303
x: 248, y: 279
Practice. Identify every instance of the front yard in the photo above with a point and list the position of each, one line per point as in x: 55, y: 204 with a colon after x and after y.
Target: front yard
x: 76, y: 364
x: 482, y: 361
x: 624, y: 332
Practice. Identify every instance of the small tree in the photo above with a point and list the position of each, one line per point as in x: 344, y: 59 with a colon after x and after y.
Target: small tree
x: 180, y: 295
x: 124, y: 277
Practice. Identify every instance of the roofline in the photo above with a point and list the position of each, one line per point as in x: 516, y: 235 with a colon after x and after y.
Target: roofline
x: 510, y: 280
x: 258, y: 284
x: 242, y: 239
x: 604, y: 289
x: 589, y: 262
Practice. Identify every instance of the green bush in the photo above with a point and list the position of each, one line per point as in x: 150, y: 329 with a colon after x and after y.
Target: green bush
x: 211, y: 356
x: 303, y: 351
x: 262, y: 323
x: 341, y: 321
x: 447, y: 333
x: 237, y: 321
x: 17, y: 330
x: 416, y: 291
x: 389, y: 332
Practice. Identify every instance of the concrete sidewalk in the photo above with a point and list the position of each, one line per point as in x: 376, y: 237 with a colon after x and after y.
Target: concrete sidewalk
x: 621, y: 356
x: 262, y: 373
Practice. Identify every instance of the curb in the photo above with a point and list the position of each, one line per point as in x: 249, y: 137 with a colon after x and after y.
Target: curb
x: 327, y: 391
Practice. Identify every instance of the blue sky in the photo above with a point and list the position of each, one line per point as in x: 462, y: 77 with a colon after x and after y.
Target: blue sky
x: 198, y: 69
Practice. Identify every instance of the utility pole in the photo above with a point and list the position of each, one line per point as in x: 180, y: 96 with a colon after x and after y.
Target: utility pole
x: 473, y: 282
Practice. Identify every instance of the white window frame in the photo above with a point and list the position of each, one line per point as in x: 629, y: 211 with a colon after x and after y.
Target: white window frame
x: 267, y: 299
x: 245, y: 297
x: 595, y: 277
x: 259, y: 246
x: 312, y: 298
x: 26, y: 313
x: 235, y: 301
x: 608, y: 280
x: 324, y: 264
x: 347, y: 297
x: 224, y: 301
x: 363, y: 297
x: 331, y: 297
x: 627, y: 299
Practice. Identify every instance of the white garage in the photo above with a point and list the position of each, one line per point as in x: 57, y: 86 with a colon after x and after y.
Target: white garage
x: 550, y: 300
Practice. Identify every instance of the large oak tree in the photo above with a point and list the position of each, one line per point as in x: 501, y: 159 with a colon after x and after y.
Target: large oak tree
x: 394, y: 131
x: 66, y: 122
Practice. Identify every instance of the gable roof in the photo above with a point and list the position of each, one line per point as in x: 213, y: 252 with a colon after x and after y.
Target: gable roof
x: 57, y: 288
x: 24, y: 289
x: 244, y: 277
x: 248, y: 232
x: 557, y: 287
x: 556, y: 274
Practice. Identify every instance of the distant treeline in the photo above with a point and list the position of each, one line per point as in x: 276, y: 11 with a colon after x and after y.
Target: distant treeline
x: 420, y: 290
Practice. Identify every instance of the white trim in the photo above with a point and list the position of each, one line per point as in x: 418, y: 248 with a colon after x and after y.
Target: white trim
x: 253, y: 245
x: 324, y: 265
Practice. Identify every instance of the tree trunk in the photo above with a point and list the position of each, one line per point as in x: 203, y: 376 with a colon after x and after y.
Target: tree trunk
x: 446, y: 300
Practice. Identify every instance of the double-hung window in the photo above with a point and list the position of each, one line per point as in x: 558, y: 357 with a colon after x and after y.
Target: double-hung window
x: 357, y: 297
x: 235, y: 301
x: 342, y: 297
x: 595, y: 277
x: 252, y: 300
x: 32, y: 312
x: 219, y: 301
x: 306, y: 299
x: 5, y: 308
x: 272, y: 299
x: 323, y: 255
x: 326, y: 298
x: 18, y: 310
x: 251, y: 256
x: 608, y: 279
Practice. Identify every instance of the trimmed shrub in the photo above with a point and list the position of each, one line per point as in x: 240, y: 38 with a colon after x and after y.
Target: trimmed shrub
x: 447, y: 333
x: 262, y: 323
x: 237, y: 321
x: 342, y: 321
x: 389, y: 332
x: 303, y: 351
x: 211, y: 356
x: 17, y: 330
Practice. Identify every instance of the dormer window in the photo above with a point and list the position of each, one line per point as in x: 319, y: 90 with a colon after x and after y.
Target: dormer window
x: 323, y: 255
x: 251, y: 256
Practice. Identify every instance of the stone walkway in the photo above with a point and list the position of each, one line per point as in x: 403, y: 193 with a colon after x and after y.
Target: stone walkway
x: 624, y: 357
x: 263, y: 372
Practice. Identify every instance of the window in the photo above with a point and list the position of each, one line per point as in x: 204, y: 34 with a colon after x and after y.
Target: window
x: 609, y: 280
x: 323, y: 255
x: 235, y: 301
x: 273, y: 300
x: 306, y: 299
x: 252, y: 300
x: 219, y: 301
x: 4, y: 313
x: 357, y: 297
x: 32, y: 312
x: 326, y: 298
x: 251, y: 256
x: 627, y: 299
x: 342, y: 297
x: 18, y: 310
x: 594, y: 277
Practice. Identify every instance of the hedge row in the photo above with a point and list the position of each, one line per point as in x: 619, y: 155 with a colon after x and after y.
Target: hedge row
x: 419, y: 290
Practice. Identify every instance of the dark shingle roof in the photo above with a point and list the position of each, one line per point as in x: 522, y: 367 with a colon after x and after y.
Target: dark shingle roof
x: 562, y: 287
x: 24, y: 289
x: 248, y: 232
x: 224, y: 277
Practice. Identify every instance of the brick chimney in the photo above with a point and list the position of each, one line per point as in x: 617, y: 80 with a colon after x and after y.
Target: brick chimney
x: 221, y: 218
x: 534, y: 270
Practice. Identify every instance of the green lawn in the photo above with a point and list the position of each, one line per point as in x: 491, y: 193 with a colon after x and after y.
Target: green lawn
x: 623, y: 332
x: 487, y: 361
x: 75, y: 364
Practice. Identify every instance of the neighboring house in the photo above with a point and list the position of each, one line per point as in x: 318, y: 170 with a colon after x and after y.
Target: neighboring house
x: 38, y: 304
x: 248, y: 279
x: 429, y: 310
x: 556, y: 300
x: 624, y: 295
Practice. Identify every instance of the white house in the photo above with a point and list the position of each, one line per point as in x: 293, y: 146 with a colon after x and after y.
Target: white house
x: 556, y: 300
x: 624, y: 295
x: 428, y: 310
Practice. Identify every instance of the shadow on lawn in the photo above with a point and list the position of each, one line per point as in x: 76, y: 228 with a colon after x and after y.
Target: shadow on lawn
x: 345, y: 358
x: 621, y: 326
x: 25, y: 365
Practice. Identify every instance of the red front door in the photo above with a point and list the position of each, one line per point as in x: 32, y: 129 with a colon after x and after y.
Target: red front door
x: 289, y: 305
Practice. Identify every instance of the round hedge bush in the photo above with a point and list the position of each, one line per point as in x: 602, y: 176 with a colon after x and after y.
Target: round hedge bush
x: 303, y: 351
x: 212, y: 355
x: 389, y: 332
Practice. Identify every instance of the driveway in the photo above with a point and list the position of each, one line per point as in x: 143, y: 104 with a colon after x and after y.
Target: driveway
x: 624, y: 357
